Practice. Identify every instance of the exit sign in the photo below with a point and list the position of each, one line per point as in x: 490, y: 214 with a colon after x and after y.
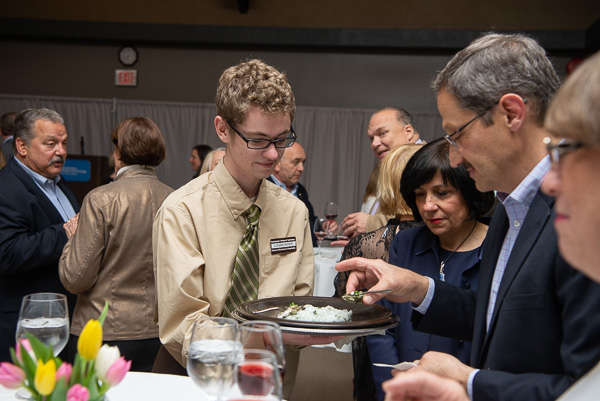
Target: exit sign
x: 125, y: 77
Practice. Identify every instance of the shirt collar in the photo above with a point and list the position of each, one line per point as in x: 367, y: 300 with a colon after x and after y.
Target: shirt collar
x: 294, y: 190
x: 233, y: 195
x: 125, y: 168
x: 38, y: 178
x: 528, y: 188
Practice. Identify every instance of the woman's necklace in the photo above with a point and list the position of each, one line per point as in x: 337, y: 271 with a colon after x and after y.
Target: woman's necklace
x: 442, y: 275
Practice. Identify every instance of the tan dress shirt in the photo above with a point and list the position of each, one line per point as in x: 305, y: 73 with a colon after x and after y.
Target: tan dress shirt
x: 195, y: 238
x: 109, y: 258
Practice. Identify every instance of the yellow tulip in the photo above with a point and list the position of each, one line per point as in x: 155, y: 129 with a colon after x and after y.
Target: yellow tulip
x: 45, y: 377
x: 90, y: 340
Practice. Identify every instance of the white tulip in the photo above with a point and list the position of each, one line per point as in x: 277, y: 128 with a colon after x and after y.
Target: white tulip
x: 105, y: 359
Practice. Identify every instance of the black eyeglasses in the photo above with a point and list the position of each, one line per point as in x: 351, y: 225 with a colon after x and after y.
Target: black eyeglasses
x: 558, y: 150
x: 462, y: 127
x: 449, y: 137
x: 255, y: 143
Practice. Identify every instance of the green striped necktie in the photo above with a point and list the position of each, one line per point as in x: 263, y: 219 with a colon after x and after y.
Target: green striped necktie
x: 244, y: 286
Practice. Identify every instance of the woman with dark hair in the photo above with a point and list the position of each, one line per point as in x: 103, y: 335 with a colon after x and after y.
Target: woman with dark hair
x: 109, y: 254
x: 447, y: 247
x: 197, y: 157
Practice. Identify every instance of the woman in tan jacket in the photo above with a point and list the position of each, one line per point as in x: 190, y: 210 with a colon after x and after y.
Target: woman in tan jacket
x: 109, y: 254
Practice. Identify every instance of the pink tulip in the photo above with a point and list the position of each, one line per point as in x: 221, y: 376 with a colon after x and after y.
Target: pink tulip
x: 65, y: 371
x: 78, y: 393
x: 117, y: 371
x: 27, y: 345
x: 11, y: 376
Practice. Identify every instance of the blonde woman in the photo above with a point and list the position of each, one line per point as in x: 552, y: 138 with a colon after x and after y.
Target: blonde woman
x: 211, y: 160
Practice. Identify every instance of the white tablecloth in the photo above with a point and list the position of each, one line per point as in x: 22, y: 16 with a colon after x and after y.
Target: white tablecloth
x: 325, y: 270
x: 138, y: 386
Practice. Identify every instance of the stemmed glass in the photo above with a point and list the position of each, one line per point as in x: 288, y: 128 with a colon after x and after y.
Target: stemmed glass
x: 212, y: 355
x: 260, y: 334
x: 331, y: 213
x: 257, y: 377
x: 46, y: 316
x: 320, y: 230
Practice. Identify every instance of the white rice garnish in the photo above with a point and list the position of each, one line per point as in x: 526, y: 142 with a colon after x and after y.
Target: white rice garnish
x: 320, y: 314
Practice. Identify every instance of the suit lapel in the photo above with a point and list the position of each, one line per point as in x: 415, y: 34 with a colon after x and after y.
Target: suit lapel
x: 535, y: 221
x: 32, y: 187
x: 491, y: 250
x: 62, y: 184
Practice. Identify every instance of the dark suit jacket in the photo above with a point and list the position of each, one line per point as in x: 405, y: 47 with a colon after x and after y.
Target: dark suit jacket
x: 545, y: 330
x: 303, y: 196
x: 32, y: 238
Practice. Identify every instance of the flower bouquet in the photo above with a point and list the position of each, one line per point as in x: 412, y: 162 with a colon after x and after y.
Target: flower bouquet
x: 96, y: 368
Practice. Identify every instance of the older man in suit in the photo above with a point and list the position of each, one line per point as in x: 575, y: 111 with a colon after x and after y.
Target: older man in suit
x: 36, y: 209
x: 287, y: 174
x: 533, y: 322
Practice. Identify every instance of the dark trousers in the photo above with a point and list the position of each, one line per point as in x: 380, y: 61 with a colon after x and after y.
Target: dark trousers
x: 141, y: 353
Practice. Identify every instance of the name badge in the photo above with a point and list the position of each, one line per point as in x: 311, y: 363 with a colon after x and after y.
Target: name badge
x: 283, y: 245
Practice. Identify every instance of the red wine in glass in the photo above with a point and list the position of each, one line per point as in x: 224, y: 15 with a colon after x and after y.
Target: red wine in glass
x: 255, y: 378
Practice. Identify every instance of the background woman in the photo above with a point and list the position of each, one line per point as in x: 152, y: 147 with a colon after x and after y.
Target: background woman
x: 447, y: 247
x: 211, y: 159
x: 109, y: 257
x: 376, y: 245
x: 370, y: 196
x: 197, y: 157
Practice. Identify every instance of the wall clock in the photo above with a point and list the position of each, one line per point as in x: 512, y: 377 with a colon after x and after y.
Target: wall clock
x: 128, y: 56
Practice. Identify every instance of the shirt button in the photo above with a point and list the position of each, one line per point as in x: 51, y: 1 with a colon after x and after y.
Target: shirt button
x: 517, y: 223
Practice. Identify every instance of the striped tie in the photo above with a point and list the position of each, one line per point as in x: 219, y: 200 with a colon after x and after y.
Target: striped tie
x: 244, y: 286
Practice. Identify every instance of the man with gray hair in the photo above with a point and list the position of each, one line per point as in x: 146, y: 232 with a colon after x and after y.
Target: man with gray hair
x: 36, y: 207
x: 533, y: 321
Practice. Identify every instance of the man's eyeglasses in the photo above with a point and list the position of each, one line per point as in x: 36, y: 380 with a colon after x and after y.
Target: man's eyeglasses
x: 558, y: 150
x: 255, y: 143
x: 453, y: 141
x: 462, y: 127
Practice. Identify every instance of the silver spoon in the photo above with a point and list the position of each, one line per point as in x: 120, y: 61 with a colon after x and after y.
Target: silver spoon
x: 400, y: 366
x: 357, y: 296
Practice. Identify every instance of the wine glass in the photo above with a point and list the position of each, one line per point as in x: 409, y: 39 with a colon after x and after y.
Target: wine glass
x: 331, y: 213
x: 257, y: 377
x: 320, y: 230
x: 46, y: 316
x: 260, y: 334
x: 212, y: 355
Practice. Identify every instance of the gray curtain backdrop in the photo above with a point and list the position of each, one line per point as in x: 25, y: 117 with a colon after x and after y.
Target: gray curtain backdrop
x: 339, y: 156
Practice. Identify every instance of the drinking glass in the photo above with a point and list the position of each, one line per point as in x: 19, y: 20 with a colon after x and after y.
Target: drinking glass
x: 46, y: 316
x: 260, y: 334
x: 331, y: 213
x: 256, y: 377
x: 320, y: 230
x: 212, y: 355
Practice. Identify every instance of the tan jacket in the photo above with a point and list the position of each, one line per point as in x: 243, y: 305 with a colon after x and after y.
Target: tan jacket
x: 196, y: 235
x: 109, y: 258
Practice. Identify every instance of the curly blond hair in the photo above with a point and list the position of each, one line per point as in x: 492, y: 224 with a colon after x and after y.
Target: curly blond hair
x: 391, y: 201
x: 253, y: 83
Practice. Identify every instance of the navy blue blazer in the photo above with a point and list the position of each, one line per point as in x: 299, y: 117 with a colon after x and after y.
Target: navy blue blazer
x: 418, y: 249
x: 303, y: 196
x: 545, y: 329
x: 32, y: 238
